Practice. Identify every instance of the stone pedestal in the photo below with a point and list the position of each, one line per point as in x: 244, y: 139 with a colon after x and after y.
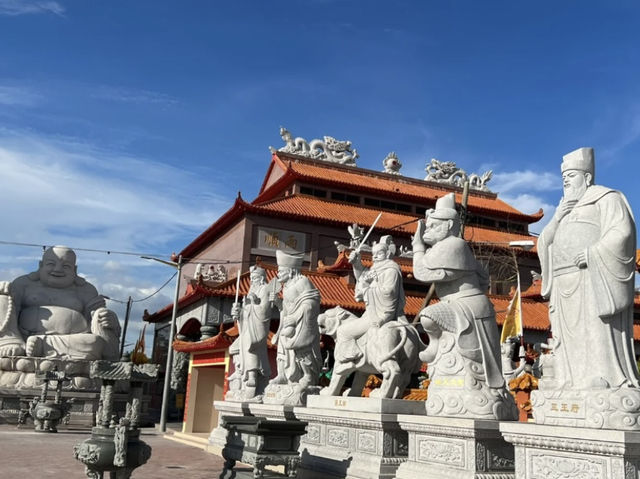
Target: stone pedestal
x: 554, y: 452
x: 352, y: 437
x: 455, y: 448
x: 288, y: 394
x: 599, y: 408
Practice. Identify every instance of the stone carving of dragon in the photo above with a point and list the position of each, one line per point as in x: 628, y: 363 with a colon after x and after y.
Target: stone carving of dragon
x: 329, y: 149
x: 448, y: 172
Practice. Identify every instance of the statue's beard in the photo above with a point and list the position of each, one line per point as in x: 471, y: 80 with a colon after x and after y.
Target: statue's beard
x: 571, y: 193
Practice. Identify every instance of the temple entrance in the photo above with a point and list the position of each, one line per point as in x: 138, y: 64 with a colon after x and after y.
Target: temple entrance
x: 207, y: 385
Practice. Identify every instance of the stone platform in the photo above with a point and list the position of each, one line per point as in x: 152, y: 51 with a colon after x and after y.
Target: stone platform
x: 352, y: 437
x: 455, y: 448
x: 554, y: 452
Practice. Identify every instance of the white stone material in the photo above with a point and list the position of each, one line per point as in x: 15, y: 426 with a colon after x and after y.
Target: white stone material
x: 53, y: 312
x: 392, y: 164
x: 448, y: 173
x: 463, y: 355
x: 381, y: 341
x: 298, y: 337
x: 587, y: 254
x: 347, y: 439
x: 361, y: 404
x: 554, y: 452
x: 329, y: 149
x: 446, y: 448
x: 254, y: 318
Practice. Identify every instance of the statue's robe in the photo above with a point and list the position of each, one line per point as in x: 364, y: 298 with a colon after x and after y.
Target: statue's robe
x: 591, y: 309
x: 464, y: 308
x: 254, y: 328
x: 300, y: 309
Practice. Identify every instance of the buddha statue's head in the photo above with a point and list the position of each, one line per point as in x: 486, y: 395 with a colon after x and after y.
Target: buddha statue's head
x: 58, y: 267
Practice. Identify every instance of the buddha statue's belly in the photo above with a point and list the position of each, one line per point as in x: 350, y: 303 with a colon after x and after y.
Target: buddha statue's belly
x: 51, y: 320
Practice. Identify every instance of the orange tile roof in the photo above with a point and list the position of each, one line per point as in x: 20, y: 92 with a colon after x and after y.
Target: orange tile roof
x: 638, y: 260
x: 307, y: 208
x: 342, y: 264
x: 316, y: 209
x: 409, y: 189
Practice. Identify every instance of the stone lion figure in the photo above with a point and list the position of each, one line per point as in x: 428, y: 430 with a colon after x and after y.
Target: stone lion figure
x: 396, y: 365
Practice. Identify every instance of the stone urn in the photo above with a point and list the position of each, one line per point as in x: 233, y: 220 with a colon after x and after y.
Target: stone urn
x: 115, y: 445
x: 113, y: 450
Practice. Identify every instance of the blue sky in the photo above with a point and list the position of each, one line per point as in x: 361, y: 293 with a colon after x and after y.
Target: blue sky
x: 132, y: 125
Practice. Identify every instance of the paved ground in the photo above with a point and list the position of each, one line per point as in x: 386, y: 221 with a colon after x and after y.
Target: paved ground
x: 25, y: 454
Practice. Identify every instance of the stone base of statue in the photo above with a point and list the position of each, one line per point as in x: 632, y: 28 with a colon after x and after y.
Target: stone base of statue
x: 19, y: 372
x: 218, y: 437
x: 460, y: 396
x: 289, y: 394
x: 353, y: 437
x: 455, y: 448
x: 240, y: 395
x: 549, y: 452
x: 595, y: 408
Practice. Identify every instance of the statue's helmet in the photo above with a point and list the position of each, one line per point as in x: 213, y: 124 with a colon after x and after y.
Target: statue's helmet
x: 386, y: 243
x: 256, y: 271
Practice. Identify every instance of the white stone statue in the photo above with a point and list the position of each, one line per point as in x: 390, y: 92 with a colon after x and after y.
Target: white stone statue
x: 587, y: 254
x: 298, y: 338
x: 329, y: 149
x: 447, y: 172
x: 382, y: 340
x: 55, y: 313
x: 463, y: 355
x: 254, y: 318
x: 392, y: 164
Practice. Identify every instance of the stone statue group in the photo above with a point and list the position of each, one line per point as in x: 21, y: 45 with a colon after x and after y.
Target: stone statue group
x: 587, y: 254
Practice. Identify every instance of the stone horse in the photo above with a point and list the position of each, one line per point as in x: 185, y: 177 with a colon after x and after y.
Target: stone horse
x: 396, y: 365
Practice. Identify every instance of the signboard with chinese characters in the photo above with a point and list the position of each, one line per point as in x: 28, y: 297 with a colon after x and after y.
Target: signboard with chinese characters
x: 271, y: 239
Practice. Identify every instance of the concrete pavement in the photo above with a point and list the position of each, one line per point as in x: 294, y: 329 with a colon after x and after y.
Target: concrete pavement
x: 25, y: 453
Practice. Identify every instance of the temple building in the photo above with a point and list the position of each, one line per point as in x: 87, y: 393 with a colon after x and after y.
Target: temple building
x: 314, y: 199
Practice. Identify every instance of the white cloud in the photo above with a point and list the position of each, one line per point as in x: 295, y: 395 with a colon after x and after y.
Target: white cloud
x: 528, y: 203
x: 64, y: 191
x: 525, y: 181
x: 132, y: 95
x: 18, y: 96
x: 25, y: 7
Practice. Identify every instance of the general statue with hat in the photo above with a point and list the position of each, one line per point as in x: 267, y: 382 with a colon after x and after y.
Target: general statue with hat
x: 298, y: 338
x: 463, y: 355
x: 254, y: 318
x: 587, y: 254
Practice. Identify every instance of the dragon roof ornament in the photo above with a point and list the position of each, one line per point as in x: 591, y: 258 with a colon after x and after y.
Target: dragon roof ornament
x: 448, y: 173
x: 329, y: 149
